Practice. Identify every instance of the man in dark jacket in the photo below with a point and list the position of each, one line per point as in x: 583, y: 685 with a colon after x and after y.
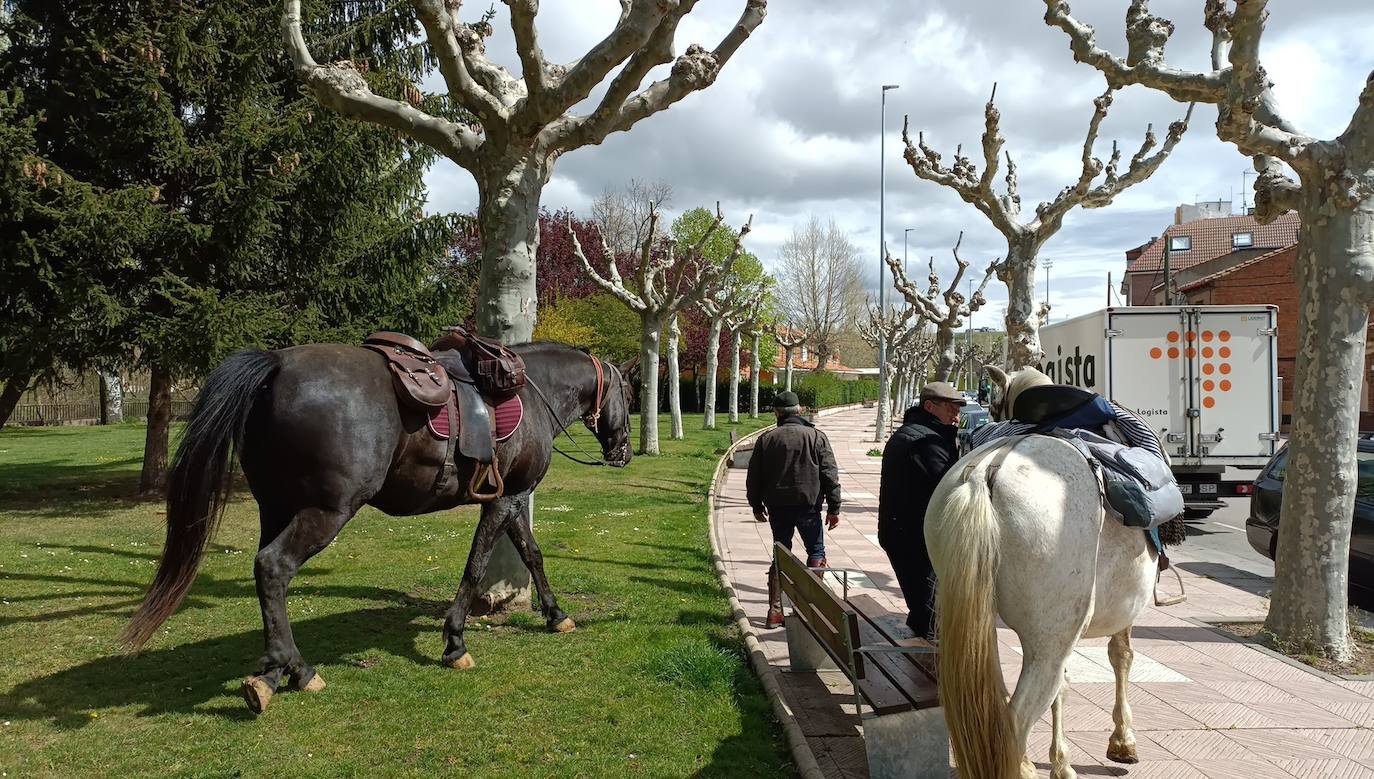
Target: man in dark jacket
x: 792, y: 471
x: 915, y: 458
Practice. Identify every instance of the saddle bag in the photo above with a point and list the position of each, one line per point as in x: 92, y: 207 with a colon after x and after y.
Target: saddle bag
x: 1139, y: 486
x: 416, y: 375
x: 497, y: 371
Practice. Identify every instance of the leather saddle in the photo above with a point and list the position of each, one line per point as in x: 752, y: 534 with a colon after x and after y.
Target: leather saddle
x: 430, y: 378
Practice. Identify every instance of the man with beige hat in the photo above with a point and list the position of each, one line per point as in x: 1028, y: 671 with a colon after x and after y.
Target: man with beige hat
x: 914, y: 460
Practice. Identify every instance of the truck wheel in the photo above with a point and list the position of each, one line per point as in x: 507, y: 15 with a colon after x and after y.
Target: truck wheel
x: 1196, y: 515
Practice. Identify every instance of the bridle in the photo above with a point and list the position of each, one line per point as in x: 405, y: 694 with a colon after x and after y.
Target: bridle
x: 592, y: 419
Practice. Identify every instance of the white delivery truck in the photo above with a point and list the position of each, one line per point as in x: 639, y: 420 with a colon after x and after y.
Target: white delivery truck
x: 1204, y: 377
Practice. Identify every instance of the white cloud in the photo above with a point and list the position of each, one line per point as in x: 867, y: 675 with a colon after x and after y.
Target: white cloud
x: 790, y: 129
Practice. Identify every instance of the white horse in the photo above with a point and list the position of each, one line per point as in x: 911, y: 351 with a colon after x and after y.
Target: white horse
x: 1016, y: 529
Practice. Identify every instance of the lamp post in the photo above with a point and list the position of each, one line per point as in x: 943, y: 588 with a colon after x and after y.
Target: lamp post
x: 905, y: 268
x: 879, y: 433
x: 970, y: 335
x: 1048, y: 264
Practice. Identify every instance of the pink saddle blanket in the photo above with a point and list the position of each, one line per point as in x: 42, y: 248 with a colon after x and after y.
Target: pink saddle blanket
x: 506, y: 419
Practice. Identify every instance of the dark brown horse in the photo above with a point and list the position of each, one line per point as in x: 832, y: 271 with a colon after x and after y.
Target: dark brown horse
x: 319, y: 433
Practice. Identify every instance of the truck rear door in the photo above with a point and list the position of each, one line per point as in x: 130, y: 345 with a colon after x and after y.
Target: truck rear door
x: 1150, y: 371
x: 1233, y: 364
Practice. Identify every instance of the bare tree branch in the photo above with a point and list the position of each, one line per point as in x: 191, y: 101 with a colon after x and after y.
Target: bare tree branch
x: 695, y: 69
x: 342, y: 88
x: 532, y: 64
x: 615, y: 284
x: 443, y: 30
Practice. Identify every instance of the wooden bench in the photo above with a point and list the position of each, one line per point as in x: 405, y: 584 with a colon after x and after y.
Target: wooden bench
x: 895, y: 681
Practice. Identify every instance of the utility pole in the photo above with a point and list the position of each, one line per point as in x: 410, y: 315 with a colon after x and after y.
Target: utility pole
x: 1047, y: 264
x: 879, y: 434
x: 1168, y: 275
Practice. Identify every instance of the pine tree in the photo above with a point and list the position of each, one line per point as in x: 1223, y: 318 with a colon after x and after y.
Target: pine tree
x: 276, y: 222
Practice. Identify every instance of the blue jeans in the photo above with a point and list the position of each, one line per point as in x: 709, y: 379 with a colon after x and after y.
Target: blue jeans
x: 804, y: 520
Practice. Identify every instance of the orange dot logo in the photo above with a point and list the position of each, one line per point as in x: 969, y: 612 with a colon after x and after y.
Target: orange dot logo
x: 1173, y: 336
x: 1191, y: 352
x: 1225, y: 352
x: 1209, y: 401
x: 1191, y: 336
x: 1207, y: 352
x: 1208, y: 368
x: 1225, y: 368
x: 1224, y: 335
x: 1209, y: 385
x: 1156, y: 353
x: 1207, y: 336
x: 1225, y: 385
x: 1173, y: 352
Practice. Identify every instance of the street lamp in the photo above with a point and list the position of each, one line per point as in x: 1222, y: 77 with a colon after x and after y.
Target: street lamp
x: 1048, y: 264
x: 878, y: 432
x: 905, y: 269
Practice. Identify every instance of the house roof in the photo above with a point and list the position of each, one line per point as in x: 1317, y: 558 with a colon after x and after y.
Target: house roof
x: 1211, y: 238
x: 1205, y: 280
x: 1189, y: 275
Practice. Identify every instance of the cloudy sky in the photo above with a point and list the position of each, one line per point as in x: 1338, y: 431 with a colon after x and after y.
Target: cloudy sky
x: 791, y: 127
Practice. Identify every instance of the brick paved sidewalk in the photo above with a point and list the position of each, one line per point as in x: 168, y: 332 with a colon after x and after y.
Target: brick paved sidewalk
x: 1203, y: 705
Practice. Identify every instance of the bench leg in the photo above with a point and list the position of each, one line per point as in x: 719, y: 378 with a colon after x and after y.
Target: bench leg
x: 805, y: 652
x: 909, y: 744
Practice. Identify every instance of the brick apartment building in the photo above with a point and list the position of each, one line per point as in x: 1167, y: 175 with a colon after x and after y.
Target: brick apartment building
x: 1203, y: 240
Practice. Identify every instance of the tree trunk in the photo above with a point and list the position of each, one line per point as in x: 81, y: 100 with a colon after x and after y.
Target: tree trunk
x: 787, y: 367
x: 153, y: 480
x: 648, y: 383
x: 1023, y: 330
x: 674, y: 384
x: 1307, y: 610
x: 945, y: 359
x: 14, y: 390
x: 735, y: 339
x: 822, y: 358
x: 884, y: 421
x: 754, y: 368
x: 509, y: 189
x: 111, y: 398
x: 712, y: 369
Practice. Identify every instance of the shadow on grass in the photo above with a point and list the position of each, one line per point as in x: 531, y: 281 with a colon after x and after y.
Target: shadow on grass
x: 188, y: 677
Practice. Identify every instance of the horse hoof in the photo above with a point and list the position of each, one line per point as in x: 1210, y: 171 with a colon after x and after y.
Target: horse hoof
x: 316, y: 684
x: 1028, y: 770
x: 1122, y: 753
x: 565, y: 625
x: 1063, y: 773
x: 257, y: 693
x: 461, y: 664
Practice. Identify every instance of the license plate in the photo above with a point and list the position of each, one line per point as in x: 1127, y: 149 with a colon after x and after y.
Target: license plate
x: 1207, y: 489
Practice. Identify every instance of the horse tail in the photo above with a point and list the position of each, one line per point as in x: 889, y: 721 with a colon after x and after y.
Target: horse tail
x: 965, y: 535
x: 198, y: 483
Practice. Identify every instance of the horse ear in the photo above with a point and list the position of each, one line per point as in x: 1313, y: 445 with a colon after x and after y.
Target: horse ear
x: 999, y: 376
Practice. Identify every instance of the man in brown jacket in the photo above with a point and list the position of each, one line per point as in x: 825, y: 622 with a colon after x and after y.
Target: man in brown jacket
x: 792, y: 471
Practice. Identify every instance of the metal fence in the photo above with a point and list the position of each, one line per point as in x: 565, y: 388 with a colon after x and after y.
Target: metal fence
x: 86, y: 412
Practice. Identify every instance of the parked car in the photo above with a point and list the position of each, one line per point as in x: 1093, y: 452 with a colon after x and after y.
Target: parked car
x: 971, y: 417
x: 1261, y: 529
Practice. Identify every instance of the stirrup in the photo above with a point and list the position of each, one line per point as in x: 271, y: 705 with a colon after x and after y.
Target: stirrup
x: 489, y: 473
x: 1173, y: 600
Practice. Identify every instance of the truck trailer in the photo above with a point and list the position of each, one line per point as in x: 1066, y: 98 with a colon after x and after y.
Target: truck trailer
x: 1205, y: 378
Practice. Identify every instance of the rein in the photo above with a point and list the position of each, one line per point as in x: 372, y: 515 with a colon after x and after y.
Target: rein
x: 593, y: 418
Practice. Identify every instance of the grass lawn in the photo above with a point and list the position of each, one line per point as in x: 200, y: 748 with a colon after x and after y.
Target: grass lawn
x: 653, y: 682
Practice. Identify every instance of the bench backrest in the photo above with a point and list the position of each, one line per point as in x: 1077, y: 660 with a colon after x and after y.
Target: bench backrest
x: 831, y: 620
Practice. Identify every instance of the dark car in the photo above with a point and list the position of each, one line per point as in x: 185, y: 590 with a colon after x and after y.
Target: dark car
x: 971, y: 417
x: 1261, y: 529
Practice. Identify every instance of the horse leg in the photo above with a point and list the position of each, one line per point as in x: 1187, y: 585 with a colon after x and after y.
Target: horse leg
x: 495, y: 515
x: 522, y: 536
x: 1042, y: 676
x: 279, y: 558
x: 1121, y: 746
x: 1059, y: 748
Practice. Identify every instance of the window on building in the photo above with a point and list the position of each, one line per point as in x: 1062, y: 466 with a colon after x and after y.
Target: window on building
x: 1180, y: 243
x: 1242, y: 240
